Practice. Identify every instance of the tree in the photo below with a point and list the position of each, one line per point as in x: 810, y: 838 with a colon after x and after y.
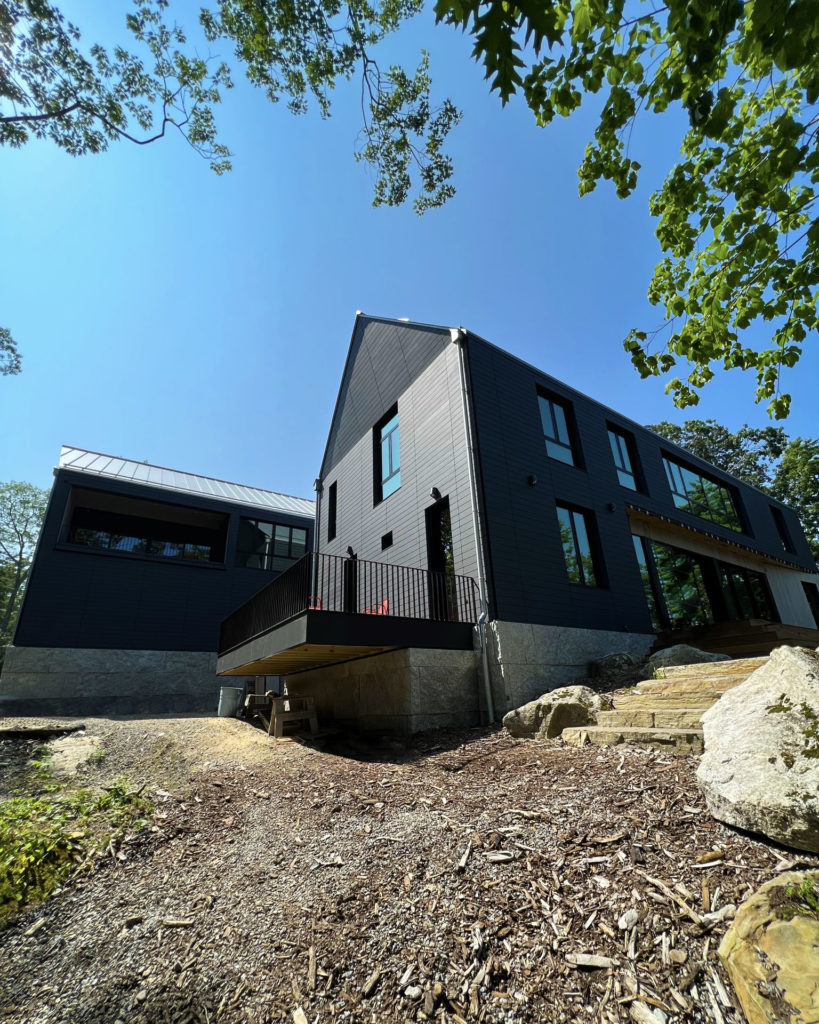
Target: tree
x: 9, y: 354
x: 49, y: 88
x: 736, y: 219
x: 765, y: 458
x: 22, y: 508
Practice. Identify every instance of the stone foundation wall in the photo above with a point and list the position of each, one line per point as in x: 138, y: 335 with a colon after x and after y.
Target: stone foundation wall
x: 400, y: 691
x: 526, y: 660
x: 71, y: 681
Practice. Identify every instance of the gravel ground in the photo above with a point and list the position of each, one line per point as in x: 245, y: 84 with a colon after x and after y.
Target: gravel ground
x: 461, y: 877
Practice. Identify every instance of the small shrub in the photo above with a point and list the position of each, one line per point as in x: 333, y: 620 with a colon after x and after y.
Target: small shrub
x: 43, y: 838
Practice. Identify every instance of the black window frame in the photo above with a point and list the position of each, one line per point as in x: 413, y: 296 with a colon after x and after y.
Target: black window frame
x: 785, y: 537
x: 548, y: 402
x: 598, y: 576
x: 696, y: 505
x: 621, y: 443
x: 332, y: 510
x: 811, y: 591
x: 270, y: 554
x: 379, y: 480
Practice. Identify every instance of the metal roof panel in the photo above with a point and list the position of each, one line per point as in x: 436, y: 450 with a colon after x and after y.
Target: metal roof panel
x: 83, y: 461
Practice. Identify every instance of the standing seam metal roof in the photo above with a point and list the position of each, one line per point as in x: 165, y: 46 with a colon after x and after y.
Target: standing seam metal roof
x: 82, y: 461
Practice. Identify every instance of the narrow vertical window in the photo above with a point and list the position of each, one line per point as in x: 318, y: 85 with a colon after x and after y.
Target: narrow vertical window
x: 782, y: 529
x: 386, y: 456
x: 575, y: 535
x: 556, y: 430
x: 622, y: 458
x: 332, y: 508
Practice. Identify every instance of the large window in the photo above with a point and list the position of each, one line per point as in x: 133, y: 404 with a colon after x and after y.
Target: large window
x: 270, y: 546
x: 386, y: 456
x: 555, y: 420
x: 621, y: 452
x: 684, y: 588
x: 701, y: 496
x: 133, y: 526
x: 577, y: 537
x: 746, y: 593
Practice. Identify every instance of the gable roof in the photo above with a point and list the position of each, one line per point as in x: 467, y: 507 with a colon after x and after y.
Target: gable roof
x: 79, y: 460
x: 400, y: 349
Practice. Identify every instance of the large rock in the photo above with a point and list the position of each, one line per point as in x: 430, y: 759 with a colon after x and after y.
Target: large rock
x: 679, y: 654
x: 760, y: 769
x: 771, y: 952
x: 550, y: 714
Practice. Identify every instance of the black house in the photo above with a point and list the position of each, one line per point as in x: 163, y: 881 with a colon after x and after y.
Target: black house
x: 463, y: 487
x: 135, y: 568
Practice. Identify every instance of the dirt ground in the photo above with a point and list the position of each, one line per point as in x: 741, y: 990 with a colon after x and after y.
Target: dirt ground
x: 462, y: 876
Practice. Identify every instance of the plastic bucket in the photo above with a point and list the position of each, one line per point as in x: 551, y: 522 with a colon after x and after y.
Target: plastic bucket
x: 230, y: 700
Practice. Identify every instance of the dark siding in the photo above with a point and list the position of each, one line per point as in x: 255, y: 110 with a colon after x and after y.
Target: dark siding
x: 417, y: 368
x: 383, y: 361
x: 526, y: 555
x: 83, y: 599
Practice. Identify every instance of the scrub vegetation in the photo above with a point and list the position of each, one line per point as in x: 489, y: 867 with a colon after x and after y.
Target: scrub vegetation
x: 62, y: 828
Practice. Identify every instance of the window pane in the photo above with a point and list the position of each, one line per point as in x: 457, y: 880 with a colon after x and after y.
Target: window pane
x: 281, y: 545
x: 557, y: 451
x: 584, y: 549
x: 299, y: 544
x: 386, y: 470
x: 391, y: 485
x: 569, y: 549
x: 560, y: 423
x: 648, y: 586
x: 395, y: 455
x: 626, y: 479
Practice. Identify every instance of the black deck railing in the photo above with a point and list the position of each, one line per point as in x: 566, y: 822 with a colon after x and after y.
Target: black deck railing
x: 334, y: 583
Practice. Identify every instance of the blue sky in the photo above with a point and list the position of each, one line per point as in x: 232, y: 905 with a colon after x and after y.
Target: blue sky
x: 202, y: 323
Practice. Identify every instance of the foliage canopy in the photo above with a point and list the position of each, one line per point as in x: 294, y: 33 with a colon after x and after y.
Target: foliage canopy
x: 22, y: 508
x: 735, y: 215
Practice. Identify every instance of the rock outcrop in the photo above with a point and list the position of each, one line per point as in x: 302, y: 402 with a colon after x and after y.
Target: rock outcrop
x: 760, y: 769
x: 770, y: 952
x: 550, y: 714
x: 679, y: 654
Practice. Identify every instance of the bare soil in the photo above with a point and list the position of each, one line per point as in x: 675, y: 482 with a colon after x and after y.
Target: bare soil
x: 459, y: 877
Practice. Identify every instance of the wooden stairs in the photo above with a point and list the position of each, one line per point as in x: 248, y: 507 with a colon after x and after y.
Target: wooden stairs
x: 665, y: 712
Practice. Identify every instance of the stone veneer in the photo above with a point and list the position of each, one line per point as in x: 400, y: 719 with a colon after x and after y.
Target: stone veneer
x: 403, y: 691
x: 526, y: 660
x: 72, y: 681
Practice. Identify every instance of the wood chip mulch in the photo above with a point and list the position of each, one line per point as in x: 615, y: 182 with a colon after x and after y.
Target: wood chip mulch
x: 462, y: 877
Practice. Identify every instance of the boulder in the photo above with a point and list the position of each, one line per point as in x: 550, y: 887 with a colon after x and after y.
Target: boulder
x: 770, y: 953
x: 616, y: 664
x: 550, y: 714
x: 679, y: 654
x: 760, y: 769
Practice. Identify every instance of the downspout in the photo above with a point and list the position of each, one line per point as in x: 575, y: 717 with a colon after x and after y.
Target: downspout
x: 458, y: 336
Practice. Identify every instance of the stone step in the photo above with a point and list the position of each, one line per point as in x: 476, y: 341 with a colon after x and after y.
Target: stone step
x: 735, y: 666
x: 673, y: 741
x: 666, y: 701
x: 699, y: 684
x: 651, y: 718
